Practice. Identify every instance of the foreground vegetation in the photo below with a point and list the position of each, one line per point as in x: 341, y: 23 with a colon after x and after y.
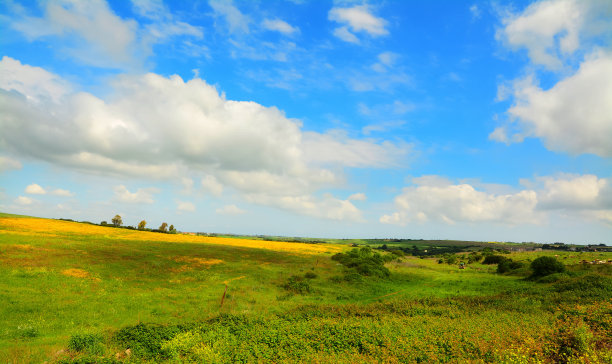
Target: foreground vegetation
x: 79, y: 293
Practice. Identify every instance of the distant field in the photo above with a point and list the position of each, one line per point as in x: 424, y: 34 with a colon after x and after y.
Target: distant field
x: 74, y: 292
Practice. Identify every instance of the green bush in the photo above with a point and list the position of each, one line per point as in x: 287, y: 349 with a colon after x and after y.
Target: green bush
x: 86, y: 343
x: 544, y: 266
x: 589, y: 286
x: 363, y: 262
x: 296, y: 284
x: 508, y: 265
x: 146, y: 340
x: 310, y: 275
x: 493, y: 259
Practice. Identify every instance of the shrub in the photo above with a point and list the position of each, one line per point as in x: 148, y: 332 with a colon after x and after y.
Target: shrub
x: 508, y: 265
x: 310, y: 275
x: 593, y: 286
x: 146, y: 339
x: 87, y: 343
x: 493, y: 259
x: 363, y: 262
x: 474, y: 257
x: 544, y: 266
x: 296, y: 284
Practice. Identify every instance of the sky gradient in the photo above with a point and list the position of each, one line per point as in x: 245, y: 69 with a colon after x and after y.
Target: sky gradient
x: 486, y: 120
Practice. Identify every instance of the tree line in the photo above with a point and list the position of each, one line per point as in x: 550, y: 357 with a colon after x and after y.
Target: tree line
x: 142, y: 225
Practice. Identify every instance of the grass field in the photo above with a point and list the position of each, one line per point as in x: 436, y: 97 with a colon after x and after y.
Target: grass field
x: 80, y: 293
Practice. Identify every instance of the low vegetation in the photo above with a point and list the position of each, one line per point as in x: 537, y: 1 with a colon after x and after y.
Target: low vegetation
x: 81, y: 293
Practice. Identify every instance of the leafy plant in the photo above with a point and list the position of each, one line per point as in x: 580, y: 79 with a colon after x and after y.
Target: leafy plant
x: 546, y: 265
x: 363, y: 262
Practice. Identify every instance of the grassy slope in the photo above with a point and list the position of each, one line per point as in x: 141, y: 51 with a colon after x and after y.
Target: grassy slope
x: 61, y: 278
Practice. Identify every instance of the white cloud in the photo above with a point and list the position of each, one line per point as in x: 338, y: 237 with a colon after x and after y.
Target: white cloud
x: 547, y: 29
x: 62, y: 192
x: 575, y: 192
x: 500, y: 134
x: 212, y: 186
x: 359, y: 19
x: 93, y: 34
x: 386, y: 60
x: 336, y: 147
x: 230, y: 210
x: 552, y: 31
x: 279, y: 26
x: 7, y: 164
x: 357, y: 197
x: 35, y: 189
x: 574, y: 116
x: 23, y: 200
x: 460, y: 203
x: 185, y: 206
x: 110, y: 37
x: 141, y: 196
x: 238, y: 22
x: 475, y: 11
x: 344, y: 34
x: 166, y: 128
x: 437, y: 198
x: 33, y: 82
x: 327, y: 207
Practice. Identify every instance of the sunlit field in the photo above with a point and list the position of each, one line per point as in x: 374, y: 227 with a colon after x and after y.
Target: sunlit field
x: 80, y: 293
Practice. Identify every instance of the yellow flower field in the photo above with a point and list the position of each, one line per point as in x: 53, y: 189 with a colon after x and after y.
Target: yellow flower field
x: 54, y: 228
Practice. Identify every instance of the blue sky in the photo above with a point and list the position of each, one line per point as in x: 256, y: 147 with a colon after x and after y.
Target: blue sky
x: 486, y: 120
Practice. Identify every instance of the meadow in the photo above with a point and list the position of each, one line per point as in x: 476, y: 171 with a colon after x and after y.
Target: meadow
x: 80, y: 293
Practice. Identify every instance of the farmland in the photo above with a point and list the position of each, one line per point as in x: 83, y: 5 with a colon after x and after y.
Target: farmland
x: 76, y: 293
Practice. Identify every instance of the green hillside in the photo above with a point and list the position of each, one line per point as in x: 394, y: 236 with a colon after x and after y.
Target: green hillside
x: 80, y: 293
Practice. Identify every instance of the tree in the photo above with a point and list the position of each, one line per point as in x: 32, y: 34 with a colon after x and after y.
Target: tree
x: 117, y: 221
x: 163, y: 227
x: 141, y: 225
x: 544, y: 266
x: 172, y: 229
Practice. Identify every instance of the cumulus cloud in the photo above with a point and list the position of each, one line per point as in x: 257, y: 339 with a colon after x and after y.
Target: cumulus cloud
x: 185, y: 206
x: 461, y: 203
x: 230, y: 210
x: 141, y: 196
x: 573, y: 116
x: 357, y: 19
x: 439, y: 199
x: 35, y: 189
x: 34, y: 83
x: 23, y: 200
x: 168, y: 128
x: 587, y: 192
x: 279, y: 26
x: 7, y: 164
x: 547, y: 29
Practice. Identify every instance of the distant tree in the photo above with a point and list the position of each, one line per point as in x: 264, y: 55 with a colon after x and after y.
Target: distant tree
x: 172, y: 229
x: 103, y: 223
x: 163, y: 227
x: 117, y: 221
x: 141, y: 225
x: 544, y: 266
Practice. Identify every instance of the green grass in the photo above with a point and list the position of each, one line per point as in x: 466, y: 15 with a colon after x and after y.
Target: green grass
x: 75, y: 295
